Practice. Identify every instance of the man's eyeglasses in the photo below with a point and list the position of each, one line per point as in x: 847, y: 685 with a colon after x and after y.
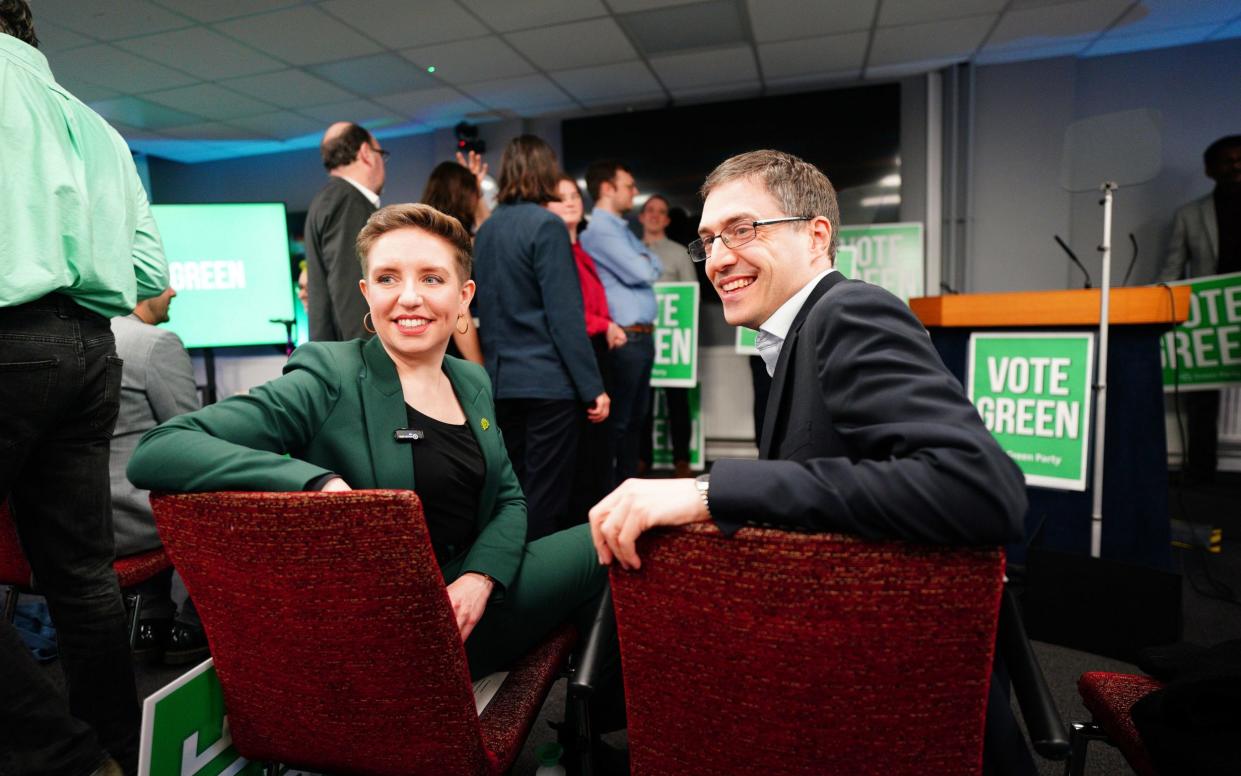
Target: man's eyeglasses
x: 383, y: 152
x: 736, y: 235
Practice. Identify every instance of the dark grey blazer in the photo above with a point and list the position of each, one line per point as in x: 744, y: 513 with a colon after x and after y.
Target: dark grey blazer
x: 867, y: 433
x: 335, y: 305
x: 533, y: 330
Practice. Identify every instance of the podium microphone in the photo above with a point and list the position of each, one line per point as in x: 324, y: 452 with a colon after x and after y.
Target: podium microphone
x: 1073, y: 258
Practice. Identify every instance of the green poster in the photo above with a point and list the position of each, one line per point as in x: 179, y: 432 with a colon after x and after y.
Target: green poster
x: 845, y: 256
x: 185, y: 730
x: 1205, y: 352
x: 1033, y: 391
x: 676, y: 335
x: 890, y: 256
x: 661, y: 443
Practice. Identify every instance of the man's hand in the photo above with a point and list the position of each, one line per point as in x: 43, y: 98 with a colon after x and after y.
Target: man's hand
x: 637, y: 506
x: 469, y: 594
x: 615, y: 336
x: 335, y: 485
x: 597, y: 412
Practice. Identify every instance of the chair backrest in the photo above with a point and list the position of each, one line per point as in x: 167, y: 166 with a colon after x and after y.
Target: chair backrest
x: 332, y: 634
x: 14, y: 570
x: 786, y: 653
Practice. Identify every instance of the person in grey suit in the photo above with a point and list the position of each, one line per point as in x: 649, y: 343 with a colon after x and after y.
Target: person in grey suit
x: 866, y: 432
x: 1206, y: 240
x: 356, y: 169
x: 157, y: 383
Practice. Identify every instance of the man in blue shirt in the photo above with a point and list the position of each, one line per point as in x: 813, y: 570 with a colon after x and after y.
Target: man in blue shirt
x: 627, y: 269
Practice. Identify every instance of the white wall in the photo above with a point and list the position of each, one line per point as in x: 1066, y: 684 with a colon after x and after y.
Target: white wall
x: 1021, y: 113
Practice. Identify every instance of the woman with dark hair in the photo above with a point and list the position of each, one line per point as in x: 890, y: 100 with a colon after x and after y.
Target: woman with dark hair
x: 534, y: 332
x: 455, y: 188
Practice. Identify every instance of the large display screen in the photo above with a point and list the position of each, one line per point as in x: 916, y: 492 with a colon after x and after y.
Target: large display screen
x: 229, y: 264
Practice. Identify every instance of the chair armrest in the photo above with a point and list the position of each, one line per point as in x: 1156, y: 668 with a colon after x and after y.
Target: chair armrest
x: 1038, y: 709
x: 602, y: 629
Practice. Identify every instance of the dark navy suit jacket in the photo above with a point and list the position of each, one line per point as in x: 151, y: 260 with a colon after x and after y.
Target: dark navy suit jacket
x: 532, y: 328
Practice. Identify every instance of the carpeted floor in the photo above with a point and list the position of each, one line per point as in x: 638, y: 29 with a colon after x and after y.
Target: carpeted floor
x: 1207, y: 620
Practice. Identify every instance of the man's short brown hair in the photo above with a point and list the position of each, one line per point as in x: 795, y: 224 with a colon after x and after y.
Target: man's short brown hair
x: 15, y: 20
x: 528, y: 172
x: 342, y: 148
x: 418, y: 216
x: 799, y: 187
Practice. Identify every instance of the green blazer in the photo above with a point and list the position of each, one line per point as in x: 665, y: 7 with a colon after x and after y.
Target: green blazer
x: 334, y: 410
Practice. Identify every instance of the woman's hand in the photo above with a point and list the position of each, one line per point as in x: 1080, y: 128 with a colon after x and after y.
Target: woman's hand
x: 597, y: 412
x: 335, y: 485
x: 469, y: 594
x: 475, y: 164
x: 615, y: 335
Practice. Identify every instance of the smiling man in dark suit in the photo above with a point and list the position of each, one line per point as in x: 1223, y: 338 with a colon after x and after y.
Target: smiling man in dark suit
x: 355, y: 164
x: 866, y: 431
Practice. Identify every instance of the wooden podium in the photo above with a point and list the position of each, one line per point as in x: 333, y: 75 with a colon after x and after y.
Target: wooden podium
x: 1135, y: 488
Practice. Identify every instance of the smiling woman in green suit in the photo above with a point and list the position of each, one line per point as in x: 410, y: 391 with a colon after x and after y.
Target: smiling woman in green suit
x: 394, y: 412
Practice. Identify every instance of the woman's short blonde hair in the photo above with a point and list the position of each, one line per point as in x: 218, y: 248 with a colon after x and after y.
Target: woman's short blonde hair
x: 418, y: 216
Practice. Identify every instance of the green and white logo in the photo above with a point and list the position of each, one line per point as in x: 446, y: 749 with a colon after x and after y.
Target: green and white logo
x: 890, y: 256
x: 1033, y: 391
x: 676, y: 335
x: 1205, y: 352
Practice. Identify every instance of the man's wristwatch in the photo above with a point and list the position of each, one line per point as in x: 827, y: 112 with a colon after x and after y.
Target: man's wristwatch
x: 703, y: 483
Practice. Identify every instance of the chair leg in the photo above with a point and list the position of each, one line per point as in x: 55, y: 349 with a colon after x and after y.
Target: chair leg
x: 1080, y: 736
x: 10, y: 603
x: 134, y: 613
x: 271, y: 769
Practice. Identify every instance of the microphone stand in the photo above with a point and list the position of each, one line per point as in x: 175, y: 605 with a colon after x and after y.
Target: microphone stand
x: 1100, y: 387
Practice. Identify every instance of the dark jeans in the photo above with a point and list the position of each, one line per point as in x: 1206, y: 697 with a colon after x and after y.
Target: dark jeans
x: 59, y: 393
x: 592, y: 473
x: 679, y: 424
x: 631, y: 376
x: 541, y: 436
x: 1202, y: 428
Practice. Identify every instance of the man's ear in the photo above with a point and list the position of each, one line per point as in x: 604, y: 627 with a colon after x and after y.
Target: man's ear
x: 821, y: 237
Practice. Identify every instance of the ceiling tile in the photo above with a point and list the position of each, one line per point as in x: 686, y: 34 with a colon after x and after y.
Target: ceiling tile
x: 801, y: 83
x: 703, y: 25
x: 1163, y: 14
x: 683, y: 72
x: 912, y: 67
x: 358, y: 111
x: 281, y: 124
x: 53, y: 38
x: 108, y: 21
x: 302, y: 36
x: 399, y: 24
x: 289, y: 89
x: 580, y: 44
x: 630, y: 102
x: 109, y: 66
x: 606, y: 82
x: 506, y: 15
x: 627, y: 6
x: 84, y: 91
x: 468, y: 61
x: 1027, y: 27
x: 516, y: 93
x: 1120, y: 44
x: 210, y: 100
x: 739, y: 90
x: 218, y: 10
x: 894, y: 12
x: 1055, y: 47
x: 134, y: 133
x: 948, y: 40
x: 789, y: 19
x: 143, y: 114
x: 377, y: 74
x: 1228, y: 31
x: 830, y: 54
x: 202, y: 52
x: 434, y: 107
x: 212, y: 130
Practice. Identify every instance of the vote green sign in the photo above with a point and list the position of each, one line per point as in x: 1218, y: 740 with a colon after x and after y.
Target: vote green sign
x: 845, y: 258
x: 676, y: 335
x: 888, y: 255
x: 1205, y: 352
x: 1033, y: 391
x: 185, y: 730
x: 661, y: 430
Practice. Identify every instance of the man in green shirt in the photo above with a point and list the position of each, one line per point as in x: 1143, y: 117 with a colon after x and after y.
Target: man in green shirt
x: 77, y: 246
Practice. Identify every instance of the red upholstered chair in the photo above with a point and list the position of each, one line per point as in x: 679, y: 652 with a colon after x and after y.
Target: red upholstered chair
x: 334, y: 639
x: 786, y: 653
x: 1110, y: 698
x: 15, y: 571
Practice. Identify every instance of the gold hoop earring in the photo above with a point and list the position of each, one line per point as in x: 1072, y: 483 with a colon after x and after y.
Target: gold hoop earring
x: 460, y: 330
x: 367, y: 326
